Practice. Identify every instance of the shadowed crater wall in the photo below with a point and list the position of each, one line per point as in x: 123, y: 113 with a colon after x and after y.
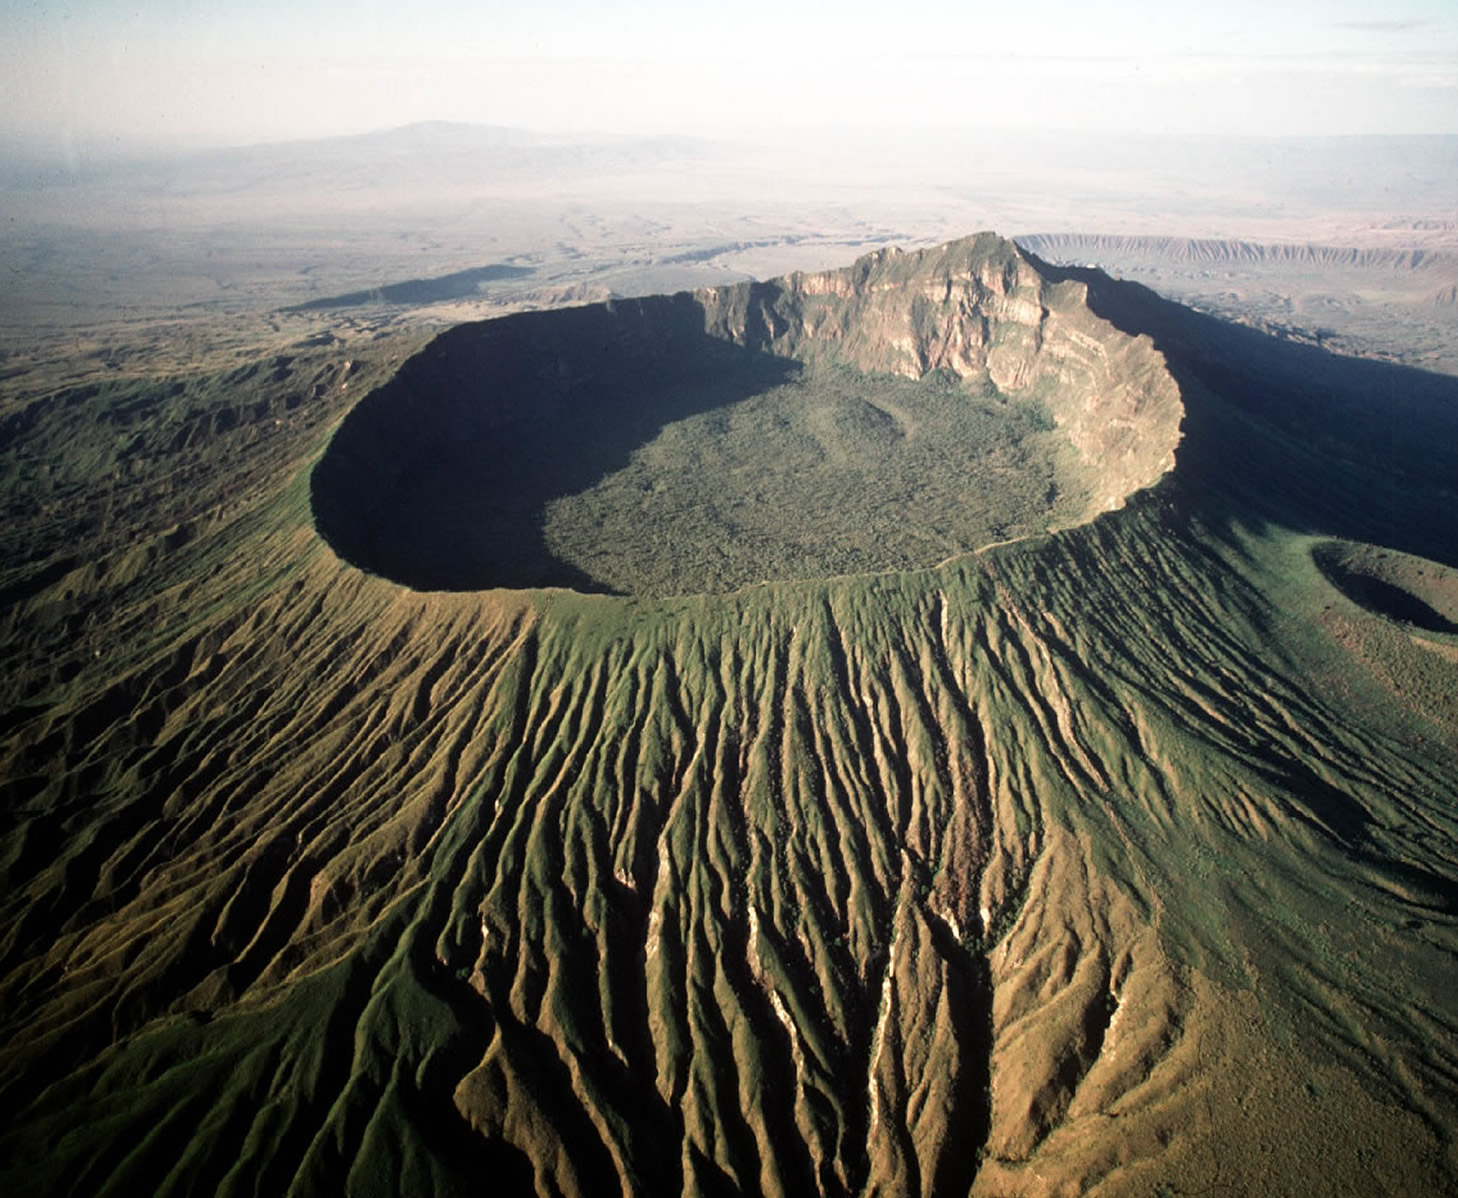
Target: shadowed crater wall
x: 884, y: 416
x: 1295, y: 436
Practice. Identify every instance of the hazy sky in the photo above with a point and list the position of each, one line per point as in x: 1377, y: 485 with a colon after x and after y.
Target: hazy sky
x: 161, y: 71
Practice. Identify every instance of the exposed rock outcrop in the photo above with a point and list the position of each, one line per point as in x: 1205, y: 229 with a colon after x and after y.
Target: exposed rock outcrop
x: 978, y: 307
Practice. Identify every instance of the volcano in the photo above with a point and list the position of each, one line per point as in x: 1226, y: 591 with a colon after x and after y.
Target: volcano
x: 948, y: 725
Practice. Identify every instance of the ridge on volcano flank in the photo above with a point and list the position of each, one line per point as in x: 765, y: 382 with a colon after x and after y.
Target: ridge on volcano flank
x: 884, y: 416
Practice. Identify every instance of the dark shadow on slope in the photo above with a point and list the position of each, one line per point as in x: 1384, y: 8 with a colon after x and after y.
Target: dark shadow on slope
x: 441, y: 479
x: 969, y: 1000
x: 463, y: 284
x: 1291, y: 434
x: 1311, y: 799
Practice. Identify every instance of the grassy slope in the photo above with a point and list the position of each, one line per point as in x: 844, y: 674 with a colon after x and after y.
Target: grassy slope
x: 1098, y: 860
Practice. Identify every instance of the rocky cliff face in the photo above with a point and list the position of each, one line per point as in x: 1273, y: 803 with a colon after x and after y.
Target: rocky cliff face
x: 982, y: 310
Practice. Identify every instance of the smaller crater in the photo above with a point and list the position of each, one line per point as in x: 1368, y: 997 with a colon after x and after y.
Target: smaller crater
x: 1402, y: 588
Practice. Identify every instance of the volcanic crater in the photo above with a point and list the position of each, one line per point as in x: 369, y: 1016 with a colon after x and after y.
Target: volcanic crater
x: 884, y: 416
x: 1407, y: 590
x: 1117, y: 862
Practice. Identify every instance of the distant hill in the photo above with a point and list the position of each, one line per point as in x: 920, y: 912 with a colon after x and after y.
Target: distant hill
x: 441, y: 150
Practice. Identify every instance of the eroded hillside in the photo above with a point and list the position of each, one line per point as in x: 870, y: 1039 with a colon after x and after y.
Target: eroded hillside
x: 1108, y: 861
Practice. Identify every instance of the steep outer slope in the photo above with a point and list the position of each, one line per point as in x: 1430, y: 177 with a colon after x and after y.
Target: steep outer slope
x: 1088, y: 864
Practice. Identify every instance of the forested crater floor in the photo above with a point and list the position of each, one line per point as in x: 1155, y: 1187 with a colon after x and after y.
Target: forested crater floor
x: 1118, y: 859
x: 885, y: 416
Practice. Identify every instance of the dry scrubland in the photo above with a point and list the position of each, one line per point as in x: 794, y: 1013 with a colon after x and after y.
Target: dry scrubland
x: 1117, y: 860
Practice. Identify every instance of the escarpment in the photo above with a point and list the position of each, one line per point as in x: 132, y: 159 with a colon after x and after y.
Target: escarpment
x: 982, y: 310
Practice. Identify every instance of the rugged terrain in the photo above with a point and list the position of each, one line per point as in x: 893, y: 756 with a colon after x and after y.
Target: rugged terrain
x: 1117, y: 860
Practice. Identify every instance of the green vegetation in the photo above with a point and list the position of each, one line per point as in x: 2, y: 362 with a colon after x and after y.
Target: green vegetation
x: 837, y: 472
x: 1104, y: 861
